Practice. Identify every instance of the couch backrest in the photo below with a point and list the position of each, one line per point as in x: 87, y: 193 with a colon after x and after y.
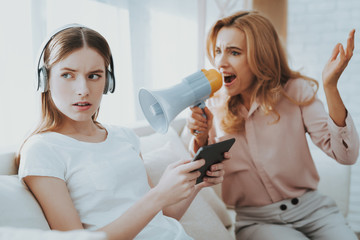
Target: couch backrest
x: 142, y: 128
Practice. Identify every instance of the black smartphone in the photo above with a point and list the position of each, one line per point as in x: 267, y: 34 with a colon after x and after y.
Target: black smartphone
x: 213, y: 153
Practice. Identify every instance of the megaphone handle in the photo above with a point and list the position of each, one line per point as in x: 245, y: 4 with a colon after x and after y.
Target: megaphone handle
x: 202, y: 106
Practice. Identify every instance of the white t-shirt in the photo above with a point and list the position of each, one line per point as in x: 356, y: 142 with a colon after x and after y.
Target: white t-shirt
x: 104, y: 179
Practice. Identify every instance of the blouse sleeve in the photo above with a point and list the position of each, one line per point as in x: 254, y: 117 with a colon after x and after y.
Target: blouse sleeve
x: 39, y: 159
x: 340, y: 143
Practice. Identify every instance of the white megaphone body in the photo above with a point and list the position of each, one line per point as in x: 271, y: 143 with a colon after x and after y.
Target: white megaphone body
x: 162, y: 106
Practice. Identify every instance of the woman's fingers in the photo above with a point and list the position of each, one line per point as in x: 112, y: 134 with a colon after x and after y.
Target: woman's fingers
x: 335, y: 52
x: 209, y: 115
x: 198, y: 114
x: 350, y: 43
x: 218, y: 173
x: 227, y: 155
x: 213, y: 180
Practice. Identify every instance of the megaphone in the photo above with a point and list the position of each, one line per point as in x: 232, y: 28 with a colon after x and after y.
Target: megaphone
x: 162, y: 106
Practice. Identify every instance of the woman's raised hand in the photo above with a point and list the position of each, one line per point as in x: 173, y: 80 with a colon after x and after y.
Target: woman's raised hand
x: 338, y: 62
x: 199, y: 125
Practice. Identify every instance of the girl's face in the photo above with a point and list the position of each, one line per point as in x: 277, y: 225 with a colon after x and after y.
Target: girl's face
x: 77, y: 83
x: 231, y: 61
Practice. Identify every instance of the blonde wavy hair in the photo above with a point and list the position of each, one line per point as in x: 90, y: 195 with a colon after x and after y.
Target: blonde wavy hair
x: 267, y: 61
x: 61, y: 46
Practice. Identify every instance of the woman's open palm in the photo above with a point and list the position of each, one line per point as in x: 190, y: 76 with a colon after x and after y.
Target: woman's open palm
x: 338, y: 61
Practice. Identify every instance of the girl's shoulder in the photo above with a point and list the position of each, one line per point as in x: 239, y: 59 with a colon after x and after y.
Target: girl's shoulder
x: 120, y: 131
x: 40, y: 140
x: 41, y: 143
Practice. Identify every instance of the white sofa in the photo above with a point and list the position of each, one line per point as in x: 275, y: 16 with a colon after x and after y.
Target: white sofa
x: 207, y: 217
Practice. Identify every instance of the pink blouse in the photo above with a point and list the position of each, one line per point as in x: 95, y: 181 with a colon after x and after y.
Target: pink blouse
x: 272, y: 161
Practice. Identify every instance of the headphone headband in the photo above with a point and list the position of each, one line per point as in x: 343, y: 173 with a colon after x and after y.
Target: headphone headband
x: 42, y: 72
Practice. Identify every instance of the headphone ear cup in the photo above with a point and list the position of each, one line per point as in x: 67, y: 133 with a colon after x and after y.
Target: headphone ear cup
x: 43, y: 79
x: 110, y: 83
x: 106, y: 88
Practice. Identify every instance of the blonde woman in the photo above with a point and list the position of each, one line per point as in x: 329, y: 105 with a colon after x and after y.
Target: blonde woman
x: 88, y: 175
x: 271, y: 179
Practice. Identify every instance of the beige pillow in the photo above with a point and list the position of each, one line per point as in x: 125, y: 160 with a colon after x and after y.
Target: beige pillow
x: 18, y: 207
x: 157, y: 160
x: 154, y: 141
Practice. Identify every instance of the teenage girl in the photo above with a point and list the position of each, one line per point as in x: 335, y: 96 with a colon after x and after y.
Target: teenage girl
x: 85, y: 174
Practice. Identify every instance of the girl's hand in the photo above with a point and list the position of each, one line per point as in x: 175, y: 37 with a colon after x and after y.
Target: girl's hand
x: 338, y: 62
x: 178, y: 181
x: 216, y: 173
x: 199, y: 125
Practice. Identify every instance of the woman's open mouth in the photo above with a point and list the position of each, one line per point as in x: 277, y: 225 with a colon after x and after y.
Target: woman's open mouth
x: 228, y: 79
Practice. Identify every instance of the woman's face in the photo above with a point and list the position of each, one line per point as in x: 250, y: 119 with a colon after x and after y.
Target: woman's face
x: 77, y: 83
x: 231, y: 61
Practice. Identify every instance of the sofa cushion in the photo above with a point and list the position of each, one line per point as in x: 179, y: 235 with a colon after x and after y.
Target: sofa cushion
x: 156, y: 140
x: 157, y: 160
x: 18, y: 206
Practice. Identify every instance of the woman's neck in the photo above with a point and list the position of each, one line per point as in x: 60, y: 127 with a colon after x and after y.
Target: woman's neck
x: 246, y: 98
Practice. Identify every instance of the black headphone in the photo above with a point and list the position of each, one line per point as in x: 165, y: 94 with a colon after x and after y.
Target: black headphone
x: 42, y: 72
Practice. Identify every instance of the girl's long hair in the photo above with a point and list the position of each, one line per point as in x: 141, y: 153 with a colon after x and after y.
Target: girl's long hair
x: 62, y: 45
x: 267, y: 61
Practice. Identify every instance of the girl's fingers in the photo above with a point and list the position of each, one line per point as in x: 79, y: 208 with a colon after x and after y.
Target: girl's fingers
x: 193, y: 175
x: 191, y: 166
x: 179, y: 163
